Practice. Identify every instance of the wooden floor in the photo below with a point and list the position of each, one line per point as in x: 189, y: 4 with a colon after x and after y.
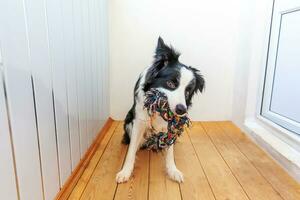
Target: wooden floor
x: 217, y: 160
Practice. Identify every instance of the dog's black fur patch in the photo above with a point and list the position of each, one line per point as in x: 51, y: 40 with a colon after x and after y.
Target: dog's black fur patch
x: 128, y: 120
x: 130, y: 115
x: 199, y: 86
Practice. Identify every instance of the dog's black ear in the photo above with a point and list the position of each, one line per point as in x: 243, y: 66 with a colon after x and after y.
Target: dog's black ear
x: 160, y: 43
x: 200, y: 82
x: 164, y: 54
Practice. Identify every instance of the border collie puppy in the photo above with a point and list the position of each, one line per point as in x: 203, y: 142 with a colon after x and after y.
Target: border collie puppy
x: 179, y: 82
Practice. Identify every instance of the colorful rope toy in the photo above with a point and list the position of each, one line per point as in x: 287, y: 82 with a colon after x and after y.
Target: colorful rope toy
x: 157, y: 101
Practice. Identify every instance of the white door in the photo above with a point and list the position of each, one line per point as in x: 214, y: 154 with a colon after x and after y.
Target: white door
x: 281, y: 98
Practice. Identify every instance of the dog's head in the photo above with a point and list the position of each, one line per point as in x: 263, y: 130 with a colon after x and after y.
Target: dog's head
x: 178, y: 81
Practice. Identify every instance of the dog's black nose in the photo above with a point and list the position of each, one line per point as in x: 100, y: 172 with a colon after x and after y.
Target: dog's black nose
x: 180, y: 109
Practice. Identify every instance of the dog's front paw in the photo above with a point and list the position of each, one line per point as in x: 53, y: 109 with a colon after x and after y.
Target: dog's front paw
x: 123, y: 176
x: 175, y: 175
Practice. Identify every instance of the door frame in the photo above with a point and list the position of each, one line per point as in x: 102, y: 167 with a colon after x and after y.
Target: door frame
x: 269, y: 75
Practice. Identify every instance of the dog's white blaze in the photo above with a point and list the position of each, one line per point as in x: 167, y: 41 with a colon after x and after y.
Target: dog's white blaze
x: 177, y: 96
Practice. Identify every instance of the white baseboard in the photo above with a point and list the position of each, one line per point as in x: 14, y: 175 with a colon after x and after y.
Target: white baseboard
x: 281, y: 145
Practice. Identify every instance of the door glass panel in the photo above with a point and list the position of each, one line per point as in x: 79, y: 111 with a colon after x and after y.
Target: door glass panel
x: 285, y: 99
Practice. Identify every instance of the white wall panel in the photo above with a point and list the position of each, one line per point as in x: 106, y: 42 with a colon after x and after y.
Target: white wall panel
x: 20, y: 98
x: 90, y: 69
x: 69, y: 52
x: 99, y: 61
x: 21, y: 107
x: 94, y: 63
x: 8, y: 183
x: 105, y: 57
x: 94, y: 25
x: 80, y: 68
x: 87, y: 65
x: 55, y: 70
x: 90, y: 40
x: 56, y: 41
x: 42, y: 82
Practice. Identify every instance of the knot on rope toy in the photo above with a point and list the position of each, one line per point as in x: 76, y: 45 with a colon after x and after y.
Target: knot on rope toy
x: 157, y: 102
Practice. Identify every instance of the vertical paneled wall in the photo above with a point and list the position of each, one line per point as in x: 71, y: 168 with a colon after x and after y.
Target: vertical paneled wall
x: 53, y: 91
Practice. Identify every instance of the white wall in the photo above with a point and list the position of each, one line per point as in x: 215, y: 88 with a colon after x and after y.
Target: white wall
x: 53, y: 91
x: 243, y: 60
x: 205, y: 32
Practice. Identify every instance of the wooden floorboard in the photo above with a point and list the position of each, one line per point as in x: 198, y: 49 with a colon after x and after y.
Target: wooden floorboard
x: 194, y: 177
x: 254, y: 184
x: 286, y: 186
x: 222, y: 181
x: 84, y: 179
x: 160, y: 186
x: 218, y: 162
x: 102, y: 184
x: 137, y: 186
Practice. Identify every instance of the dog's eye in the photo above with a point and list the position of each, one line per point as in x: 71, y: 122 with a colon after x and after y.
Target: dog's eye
x: 187, y: 93
x: 171, y: 84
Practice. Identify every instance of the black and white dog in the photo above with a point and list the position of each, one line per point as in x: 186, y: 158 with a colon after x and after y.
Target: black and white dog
x: 179, y: 82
